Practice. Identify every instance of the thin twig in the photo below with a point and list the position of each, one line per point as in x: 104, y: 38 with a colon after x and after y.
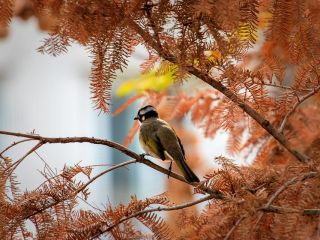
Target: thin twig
x: 17, y: 163
x: 280, y: 190
x: 279, y: 210
x: 285, y: 87
x: 46, y: 165
x: 14, y: 144
x: 234, y: 227
x: 285, y: 210
x: 158, y: 209
x: 311, y: 212
x: 295, y: 106
x: 80, y: 189
x: 254, y: 190
x: 102, y: 173
x: 52, y: 175
x: 275, y: 195
x: 262, y: 121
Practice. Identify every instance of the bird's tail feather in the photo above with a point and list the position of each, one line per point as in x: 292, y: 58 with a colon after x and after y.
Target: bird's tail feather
x: 187, y: 172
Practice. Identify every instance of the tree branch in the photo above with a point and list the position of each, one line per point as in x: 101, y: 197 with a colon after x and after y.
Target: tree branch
x: 224, y: 90
x: 295, y: 106
x: 284, y: 210
x: 80, y: 189
x: 12, y: 145
x: 158, y: 209
x: 281, y: 189
x: 148, y: 10
x: 44, y: 140
x: 16, y: 164
x: 234, y: 227
x: 286, y: 87
x: 102, y: 173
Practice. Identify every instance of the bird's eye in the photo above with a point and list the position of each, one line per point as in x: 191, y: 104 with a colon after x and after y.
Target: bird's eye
x: 143, y: 118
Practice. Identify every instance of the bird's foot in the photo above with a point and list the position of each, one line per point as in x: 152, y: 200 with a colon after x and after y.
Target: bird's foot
x: 143, y: 155
x: 170, y: 168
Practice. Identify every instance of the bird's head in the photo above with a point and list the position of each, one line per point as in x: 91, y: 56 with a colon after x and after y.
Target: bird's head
x: 146, y: 112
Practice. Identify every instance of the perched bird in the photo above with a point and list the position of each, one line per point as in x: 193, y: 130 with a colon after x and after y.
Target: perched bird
x: 159, y: 140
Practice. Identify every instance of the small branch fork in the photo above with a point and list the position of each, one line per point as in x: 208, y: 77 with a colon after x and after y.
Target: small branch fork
x: 280, y: 210
x: 269, y: 208
x: 296, y: 105
x: 275, y: 195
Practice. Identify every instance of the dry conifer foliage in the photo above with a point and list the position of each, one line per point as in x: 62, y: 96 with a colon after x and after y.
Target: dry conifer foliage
x: 260, y: 62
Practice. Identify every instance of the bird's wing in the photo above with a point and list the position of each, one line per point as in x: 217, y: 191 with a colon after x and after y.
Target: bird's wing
x: 181, y: 146
x: 170, y: 143
x: 179, y: 141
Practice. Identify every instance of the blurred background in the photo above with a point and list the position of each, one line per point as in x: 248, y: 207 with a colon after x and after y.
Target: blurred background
x: 50, y: 96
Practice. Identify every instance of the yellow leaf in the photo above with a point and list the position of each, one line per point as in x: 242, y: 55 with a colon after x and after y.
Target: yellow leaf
x: 213, y: 56
x: 149, y: 81
x: 247, y: 33
x: 264, y: 19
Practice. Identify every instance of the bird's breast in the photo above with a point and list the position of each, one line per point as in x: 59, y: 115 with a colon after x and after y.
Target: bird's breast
x: 145, y: 147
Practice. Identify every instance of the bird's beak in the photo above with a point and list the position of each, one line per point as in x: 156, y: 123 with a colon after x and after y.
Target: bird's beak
x: 136, y: 118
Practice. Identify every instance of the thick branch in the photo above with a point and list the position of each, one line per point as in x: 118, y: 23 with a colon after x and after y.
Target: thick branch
x: 224, y: 90
x: 154, y: 27
x: 43, y: 140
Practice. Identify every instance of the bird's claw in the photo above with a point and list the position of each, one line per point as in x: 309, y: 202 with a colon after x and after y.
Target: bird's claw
x: 143, y: 155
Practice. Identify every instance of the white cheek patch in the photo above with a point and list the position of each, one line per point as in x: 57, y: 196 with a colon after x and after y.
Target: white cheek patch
x: 143, y: 118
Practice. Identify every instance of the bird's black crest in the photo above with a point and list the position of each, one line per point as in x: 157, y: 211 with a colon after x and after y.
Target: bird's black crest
x: 146, y: 112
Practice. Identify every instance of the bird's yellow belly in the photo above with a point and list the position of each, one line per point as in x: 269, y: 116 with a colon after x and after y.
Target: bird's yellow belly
x: 147, y: 149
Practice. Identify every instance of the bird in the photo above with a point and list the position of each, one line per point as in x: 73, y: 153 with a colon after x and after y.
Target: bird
x: 158, y: 139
